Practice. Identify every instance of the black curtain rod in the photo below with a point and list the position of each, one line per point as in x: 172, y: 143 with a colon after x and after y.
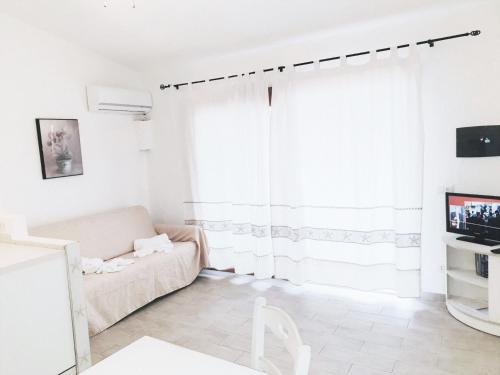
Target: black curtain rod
x: 429, y: 42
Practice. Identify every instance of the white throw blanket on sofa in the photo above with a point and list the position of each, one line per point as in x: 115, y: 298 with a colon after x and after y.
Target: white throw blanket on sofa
x: 97, y: 265
x: 148, y: 246
x: 142, y: 248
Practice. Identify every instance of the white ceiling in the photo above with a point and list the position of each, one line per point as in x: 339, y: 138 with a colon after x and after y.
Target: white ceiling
x: 161, y: 29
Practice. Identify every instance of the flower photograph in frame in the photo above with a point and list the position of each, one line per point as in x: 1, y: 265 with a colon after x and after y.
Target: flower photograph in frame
x: 60, y: 150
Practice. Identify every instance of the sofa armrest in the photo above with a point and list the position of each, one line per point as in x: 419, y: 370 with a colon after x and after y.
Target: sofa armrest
x: 179, y: 233
x: 187, y: 233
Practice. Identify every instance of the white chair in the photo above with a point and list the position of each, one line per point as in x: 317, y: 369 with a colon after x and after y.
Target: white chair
x: 283, y: 327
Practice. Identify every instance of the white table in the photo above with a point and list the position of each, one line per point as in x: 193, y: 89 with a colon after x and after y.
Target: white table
x: 148, y: 356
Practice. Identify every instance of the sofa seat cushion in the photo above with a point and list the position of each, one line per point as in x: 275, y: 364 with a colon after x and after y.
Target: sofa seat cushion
x: 105, y: 235
x: 112, y: 296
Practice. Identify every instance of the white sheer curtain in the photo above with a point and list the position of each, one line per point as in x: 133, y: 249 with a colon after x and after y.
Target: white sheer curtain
x: 227, y: 125
x: 346, y: 176
x: 325, y: 190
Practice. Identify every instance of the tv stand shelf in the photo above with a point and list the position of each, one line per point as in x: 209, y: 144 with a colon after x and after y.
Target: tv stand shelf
x: 468, y: 276
x: 472, y: 299
x: 452, y: 241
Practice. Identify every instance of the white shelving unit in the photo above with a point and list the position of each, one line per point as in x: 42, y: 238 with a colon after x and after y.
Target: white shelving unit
x: 472, y: 299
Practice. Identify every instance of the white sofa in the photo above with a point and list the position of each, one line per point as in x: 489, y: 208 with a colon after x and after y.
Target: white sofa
x: 112, y: 296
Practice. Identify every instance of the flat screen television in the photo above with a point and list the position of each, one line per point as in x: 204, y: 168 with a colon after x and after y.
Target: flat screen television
x: 477, y: 217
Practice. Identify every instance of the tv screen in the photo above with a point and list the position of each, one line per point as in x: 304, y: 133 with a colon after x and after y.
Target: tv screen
x: 473, y: 215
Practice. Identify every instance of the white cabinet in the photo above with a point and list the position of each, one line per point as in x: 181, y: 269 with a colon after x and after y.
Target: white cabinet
x: 39, y: 330
x: 472, y: 299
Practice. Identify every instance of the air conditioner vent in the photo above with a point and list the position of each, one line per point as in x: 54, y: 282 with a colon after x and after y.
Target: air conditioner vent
x: 111, y: 99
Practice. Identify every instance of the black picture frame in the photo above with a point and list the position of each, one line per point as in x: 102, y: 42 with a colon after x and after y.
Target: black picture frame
x: 59, y: 147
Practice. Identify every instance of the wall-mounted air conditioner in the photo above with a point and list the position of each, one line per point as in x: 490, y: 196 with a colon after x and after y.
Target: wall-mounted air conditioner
x: 112, y: 99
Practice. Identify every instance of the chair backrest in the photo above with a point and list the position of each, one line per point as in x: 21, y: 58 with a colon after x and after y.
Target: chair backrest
x: 283, y: 327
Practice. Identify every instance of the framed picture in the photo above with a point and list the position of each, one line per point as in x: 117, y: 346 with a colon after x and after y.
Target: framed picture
x: 59, y: 145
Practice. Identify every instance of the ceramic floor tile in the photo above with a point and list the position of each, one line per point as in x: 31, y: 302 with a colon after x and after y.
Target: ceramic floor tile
x: 374, y: 362
x: 358, y: 334
x: 406, y: 368
x: 369, y: 336
x: 323, y: 366
x: 360, y: 370
x: 419, y: 356
x: 378, y: 318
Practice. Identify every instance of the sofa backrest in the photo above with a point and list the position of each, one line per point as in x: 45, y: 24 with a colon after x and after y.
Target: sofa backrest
x: 105, y: 235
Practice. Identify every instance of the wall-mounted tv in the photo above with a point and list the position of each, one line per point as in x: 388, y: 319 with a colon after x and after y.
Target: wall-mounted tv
x: 477, y: 217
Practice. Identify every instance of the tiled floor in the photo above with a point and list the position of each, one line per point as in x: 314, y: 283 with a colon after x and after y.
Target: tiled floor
x: 350, y: 332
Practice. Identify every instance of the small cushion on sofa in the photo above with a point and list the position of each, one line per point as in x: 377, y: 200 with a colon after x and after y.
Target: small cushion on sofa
x: 148, y: 246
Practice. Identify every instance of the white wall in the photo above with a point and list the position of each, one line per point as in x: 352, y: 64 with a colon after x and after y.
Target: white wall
x: 43, y: 76
x: 460, y: 86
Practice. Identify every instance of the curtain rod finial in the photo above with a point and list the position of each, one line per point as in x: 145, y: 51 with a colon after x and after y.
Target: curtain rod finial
x: 163, y: 87
x: 475, y: 32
